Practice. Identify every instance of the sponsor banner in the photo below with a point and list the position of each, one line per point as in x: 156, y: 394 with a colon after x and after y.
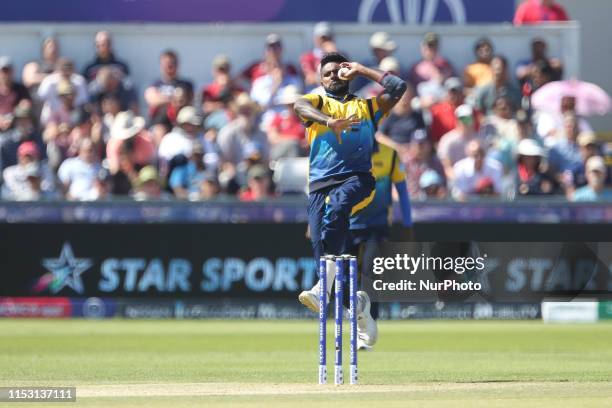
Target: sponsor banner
x: 167, y: 261
x: 291, y: 309
x: 459, y: 311
x: 292, y: 211
x: 193, y: 309
x: 364, y: 11
x: 489, y: 272
x: 35, y: 307
x: 273, y: 261
x: 212, y: 309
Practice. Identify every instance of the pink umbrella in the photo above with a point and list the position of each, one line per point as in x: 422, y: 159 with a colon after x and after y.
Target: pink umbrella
x: 590, y: 99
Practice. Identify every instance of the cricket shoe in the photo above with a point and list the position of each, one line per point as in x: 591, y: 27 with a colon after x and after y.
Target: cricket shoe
x: 367, y: 329
x: 310, y: 299
x: 362, y: 346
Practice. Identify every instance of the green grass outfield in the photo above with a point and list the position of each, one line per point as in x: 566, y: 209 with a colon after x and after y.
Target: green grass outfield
x: 119, y: 363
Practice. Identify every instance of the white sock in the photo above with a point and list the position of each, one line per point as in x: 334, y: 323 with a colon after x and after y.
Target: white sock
x: 331, y: 276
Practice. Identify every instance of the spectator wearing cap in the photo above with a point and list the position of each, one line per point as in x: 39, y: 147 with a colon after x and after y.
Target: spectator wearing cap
x: 532, y: 176
x: 22, y: 129
x: 401, y: 124
x: 442, y: 113
x: 595, y: 190
x: 130, y: 146
x: 48, y: 89
x: 160, y: 92
x: 165, y: 118
x: 273, y: 60
x: 222, y: 89
x: 179, y: 142
x: 476, y: 174
x: 286, y: 135
x: 381, y: 47
x: 12, y: 93
x: 258, y: 185
x: 243, y: 136
x: 78, y: 174
x: 589, y: 147
x: 185, y: 180
x: 480, y: 73
x: 453, y: 144
x: 431, y: 186
x: 418, y: 159
x: 30, y: 179
x: 526, y: 69
x: 539, y: 11
x: 62, y: 112
x: 105, y: 57
x: 485, y: 96
x: 323, y: 39
x: 110, y: 81
x: 149, y: 185
x: 432, y: 66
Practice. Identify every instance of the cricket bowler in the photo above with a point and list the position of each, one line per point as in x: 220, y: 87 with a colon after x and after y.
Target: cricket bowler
x: 341, y: 129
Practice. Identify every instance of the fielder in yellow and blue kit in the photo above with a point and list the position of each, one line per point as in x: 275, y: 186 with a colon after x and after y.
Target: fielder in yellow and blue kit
x: 371, y: 226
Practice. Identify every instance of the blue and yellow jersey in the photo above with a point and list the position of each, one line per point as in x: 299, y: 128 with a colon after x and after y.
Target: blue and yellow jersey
x: 335, y: 158
x: 387, y: 170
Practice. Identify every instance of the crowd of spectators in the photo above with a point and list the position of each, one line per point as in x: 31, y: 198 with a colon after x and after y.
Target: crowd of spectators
x: 460, y: 132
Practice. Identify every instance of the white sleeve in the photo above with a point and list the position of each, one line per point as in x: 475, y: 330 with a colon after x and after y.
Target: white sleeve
x: 63, y: 173
x: 260, y: 93
x: 459, y: 182
x: 82, y: 95
x: 44, y: 89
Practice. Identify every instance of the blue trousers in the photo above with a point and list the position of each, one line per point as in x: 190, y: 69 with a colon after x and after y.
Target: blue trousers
x: 329, y: 211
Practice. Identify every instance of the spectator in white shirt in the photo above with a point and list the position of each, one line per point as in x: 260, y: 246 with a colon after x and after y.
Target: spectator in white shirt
x: 180, y: 140
x: 64, y: 71
x: 78, y: 174
x: 476, y: 174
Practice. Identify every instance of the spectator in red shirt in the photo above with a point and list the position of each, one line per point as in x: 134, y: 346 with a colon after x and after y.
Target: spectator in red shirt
x: 323, y: 37
x: 443, y: 118
x: 273, y: 57
x: 286, y: 131
x: 222, y: 88
x: 539, y: 11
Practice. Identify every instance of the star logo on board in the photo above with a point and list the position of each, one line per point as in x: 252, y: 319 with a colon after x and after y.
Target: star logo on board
x: 64, y: 271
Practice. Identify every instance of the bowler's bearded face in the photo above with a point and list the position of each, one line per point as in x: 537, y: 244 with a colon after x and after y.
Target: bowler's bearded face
x: 330, y: 80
